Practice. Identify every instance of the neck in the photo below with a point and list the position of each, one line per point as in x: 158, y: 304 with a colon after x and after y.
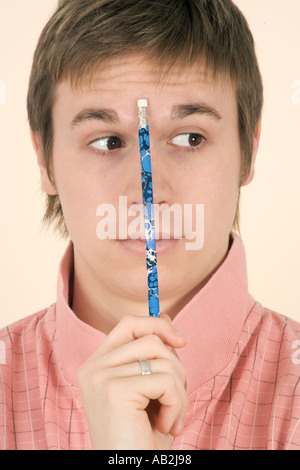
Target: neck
x: 104, y: 310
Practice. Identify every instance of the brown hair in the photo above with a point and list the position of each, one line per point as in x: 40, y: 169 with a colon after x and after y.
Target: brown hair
x: 81, y: 34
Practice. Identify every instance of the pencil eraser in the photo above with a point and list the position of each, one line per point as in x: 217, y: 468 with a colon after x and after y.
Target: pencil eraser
x: 142, y: 103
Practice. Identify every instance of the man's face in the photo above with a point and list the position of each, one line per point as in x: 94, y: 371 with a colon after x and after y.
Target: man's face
x: 196, y: 159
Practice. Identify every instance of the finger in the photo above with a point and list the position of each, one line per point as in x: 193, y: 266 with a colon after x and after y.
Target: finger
x: 134, y: 369
x: 147, y: 347
x: 178, y: 426
x: 141, y: 389
x: 131, y: 328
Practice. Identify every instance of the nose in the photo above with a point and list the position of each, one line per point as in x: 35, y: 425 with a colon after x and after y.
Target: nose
x: 153, y: 173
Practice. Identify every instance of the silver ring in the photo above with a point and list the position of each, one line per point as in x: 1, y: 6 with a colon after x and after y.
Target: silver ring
x: 145, y: 366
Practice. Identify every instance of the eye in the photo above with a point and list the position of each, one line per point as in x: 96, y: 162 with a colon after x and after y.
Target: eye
x: 107, y: 143
x: 188, y: 140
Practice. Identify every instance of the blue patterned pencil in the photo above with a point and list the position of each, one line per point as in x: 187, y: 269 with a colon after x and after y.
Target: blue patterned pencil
x: 147, y: 190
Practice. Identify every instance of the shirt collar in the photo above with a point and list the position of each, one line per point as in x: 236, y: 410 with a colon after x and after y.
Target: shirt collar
x: 76, y: 340
x: 212, y: 321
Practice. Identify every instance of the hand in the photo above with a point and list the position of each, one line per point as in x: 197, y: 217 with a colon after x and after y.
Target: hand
x: 127, y: 410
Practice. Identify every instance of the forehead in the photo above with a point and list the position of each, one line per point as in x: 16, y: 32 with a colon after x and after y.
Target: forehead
x: 133, y: 77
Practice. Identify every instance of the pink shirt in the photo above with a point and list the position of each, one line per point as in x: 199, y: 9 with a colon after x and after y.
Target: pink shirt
x: 242, y: 362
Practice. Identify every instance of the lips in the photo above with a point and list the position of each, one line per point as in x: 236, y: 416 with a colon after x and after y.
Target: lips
x: 137, y: 246
x: 158, y: 236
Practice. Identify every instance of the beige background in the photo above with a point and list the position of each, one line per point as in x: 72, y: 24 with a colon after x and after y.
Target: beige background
x: 29, y: 257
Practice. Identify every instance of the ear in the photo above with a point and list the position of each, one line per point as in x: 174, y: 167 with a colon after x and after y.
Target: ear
x: 47, y: 185
x: 256, y: 141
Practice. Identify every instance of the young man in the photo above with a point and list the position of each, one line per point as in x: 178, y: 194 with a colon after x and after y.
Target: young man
x: 223, y: 372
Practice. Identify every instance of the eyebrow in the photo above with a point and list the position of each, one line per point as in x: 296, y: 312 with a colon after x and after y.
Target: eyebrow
x: 180, y: 111
x: 184, y: 110
x: 105, y: 115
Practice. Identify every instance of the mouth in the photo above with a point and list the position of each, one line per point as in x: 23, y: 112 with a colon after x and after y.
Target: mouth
x: 137, y: 246
x: 158, y: 236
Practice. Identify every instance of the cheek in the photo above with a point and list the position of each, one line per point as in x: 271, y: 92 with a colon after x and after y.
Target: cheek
x: 224, y: 194
x: 81, y: 190
x: 76, y: 192
x: 218, y: 186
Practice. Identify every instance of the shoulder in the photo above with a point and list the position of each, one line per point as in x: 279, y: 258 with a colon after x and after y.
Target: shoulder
x: 276, y: 348
x: 20, y: 349
x: 272, y: 324
x: 277, y: 336
x: 19, y: 337
x: 27, y: 325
